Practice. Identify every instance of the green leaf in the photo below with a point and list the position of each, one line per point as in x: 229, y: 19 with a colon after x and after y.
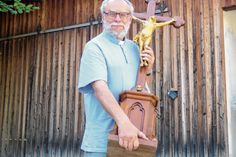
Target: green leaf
x: 35, y: 8
x: 20, y: 11
x: 29, y: 6
x: 15, y: 5
x: 13, y: 12
x: 4, y: 10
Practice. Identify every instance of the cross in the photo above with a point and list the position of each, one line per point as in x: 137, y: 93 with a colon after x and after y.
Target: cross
x: 143, y: 38
x: 151, y: 7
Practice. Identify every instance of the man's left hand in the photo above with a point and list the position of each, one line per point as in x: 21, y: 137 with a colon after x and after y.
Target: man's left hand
x: 148, y: 55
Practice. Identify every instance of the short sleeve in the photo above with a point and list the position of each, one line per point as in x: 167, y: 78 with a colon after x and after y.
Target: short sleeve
x: 92, y: 67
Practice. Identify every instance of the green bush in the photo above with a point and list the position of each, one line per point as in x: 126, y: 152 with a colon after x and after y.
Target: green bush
x: 17, y: 7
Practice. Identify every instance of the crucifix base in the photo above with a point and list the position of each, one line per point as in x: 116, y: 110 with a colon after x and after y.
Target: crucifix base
x: 140, y: 108
x: 145, y: 149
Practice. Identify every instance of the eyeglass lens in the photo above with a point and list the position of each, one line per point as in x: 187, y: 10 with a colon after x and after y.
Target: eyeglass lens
x: 114, y: 14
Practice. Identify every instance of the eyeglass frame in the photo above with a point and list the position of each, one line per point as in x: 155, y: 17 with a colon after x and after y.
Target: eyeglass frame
x: 113, y: 14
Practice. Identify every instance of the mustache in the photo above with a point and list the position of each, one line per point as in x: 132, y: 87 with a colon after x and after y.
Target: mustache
x: 117, y: 24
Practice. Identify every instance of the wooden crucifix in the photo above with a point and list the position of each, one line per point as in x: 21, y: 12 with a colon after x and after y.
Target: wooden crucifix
x: 137, y: 103
x: 150, y: 22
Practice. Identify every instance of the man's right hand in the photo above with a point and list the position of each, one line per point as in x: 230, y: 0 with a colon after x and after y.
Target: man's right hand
x: 128, y: 136
x: 128, y: 133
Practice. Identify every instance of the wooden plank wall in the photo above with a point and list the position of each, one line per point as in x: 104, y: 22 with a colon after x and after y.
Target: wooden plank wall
x: 41, y: 111
x: 229, y: 4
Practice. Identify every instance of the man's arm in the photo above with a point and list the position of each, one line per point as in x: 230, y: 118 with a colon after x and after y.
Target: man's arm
x: 128, y: 133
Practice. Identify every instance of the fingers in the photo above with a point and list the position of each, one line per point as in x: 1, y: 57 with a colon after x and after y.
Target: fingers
x: 142, y: 135
x: 132, y: 143
x: 148, y: 54
x: 148, y: 50
x: 129, y: 144
x: 120, y: 141
x: 147, y: 57
x: 125, y: 144
x: 136, y: 144
x: 128, y: 136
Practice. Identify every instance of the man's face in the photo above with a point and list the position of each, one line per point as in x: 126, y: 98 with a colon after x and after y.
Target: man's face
x: 117, y: 18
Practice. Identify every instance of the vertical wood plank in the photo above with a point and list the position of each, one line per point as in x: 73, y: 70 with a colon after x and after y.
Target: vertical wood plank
x: 25, y: 86
x: 59, y: 96
x: 166, y: 87
x: 197, y: 39
x: 217, y: 73
x: 208, y: 77
x: 158, y: 88
x: 48, y: 91
x: 6, y: 119
x: 57, y: 91
x: 225, y: 126
x: 78, y: 107
x: 13, y: 124
x: 174, y: 81
x: 17, y: 104
x: 64, y: 110
x: 184, y: 83
x: 10, y: 99
x: 3, y: 97
x: 2, y: 86
x: 189, y: 28
x: 72, y: 84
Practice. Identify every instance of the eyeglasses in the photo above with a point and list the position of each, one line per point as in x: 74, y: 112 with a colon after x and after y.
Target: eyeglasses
x: 113, y: 14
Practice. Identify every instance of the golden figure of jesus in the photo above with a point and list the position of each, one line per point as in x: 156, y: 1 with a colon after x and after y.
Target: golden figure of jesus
x: 143, y: 38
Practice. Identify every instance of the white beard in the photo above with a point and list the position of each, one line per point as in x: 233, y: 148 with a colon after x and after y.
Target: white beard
x: 119, y: 35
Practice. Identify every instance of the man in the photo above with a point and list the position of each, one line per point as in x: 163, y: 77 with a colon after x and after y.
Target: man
x: 109, y: 65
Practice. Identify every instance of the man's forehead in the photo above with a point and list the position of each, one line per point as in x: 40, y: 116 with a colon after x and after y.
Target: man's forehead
x: 118, y: 6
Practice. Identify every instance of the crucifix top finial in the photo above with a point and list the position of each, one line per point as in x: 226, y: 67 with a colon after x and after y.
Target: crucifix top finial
x: 151, y: 7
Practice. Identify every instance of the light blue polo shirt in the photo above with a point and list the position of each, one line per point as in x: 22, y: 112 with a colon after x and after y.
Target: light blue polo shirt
x: 116, y: 62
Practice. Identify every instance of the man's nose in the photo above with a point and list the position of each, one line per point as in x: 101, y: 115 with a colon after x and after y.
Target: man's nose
x: 117, y: 17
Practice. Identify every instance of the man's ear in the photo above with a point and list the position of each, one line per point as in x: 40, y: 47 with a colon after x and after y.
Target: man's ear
x: 103, y: 17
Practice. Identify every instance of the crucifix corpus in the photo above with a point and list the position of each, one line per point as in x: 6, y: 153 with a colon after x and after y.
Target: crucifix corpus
x: 138, y: 104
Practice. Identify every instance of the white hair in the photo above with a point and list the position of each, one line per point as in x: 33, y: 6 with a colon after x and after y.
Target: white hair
x: 104, y: 4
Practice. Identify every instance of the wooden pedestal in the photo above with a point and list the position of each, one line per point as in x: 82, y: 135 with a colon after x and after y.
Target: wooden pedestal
x: 140, y: 108
x: 145, y: 149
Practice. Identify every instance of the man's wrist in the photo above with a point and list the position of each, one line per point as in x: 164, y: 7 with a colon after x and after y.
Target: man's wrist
x: 122, y: 120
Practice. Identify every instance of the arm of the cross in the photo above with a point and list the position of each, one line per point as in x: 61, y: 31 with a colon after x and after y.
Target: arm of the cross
x: 179, y: 21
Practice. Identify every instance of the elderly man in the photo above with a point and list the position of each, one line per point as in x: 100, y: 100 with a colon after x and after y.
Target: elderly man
x: 109, y: 65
